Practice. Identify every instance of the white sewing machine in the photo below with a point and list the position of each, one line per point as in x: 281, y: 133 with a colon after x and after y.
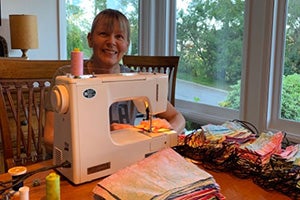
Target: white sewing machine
x: 82, y: 133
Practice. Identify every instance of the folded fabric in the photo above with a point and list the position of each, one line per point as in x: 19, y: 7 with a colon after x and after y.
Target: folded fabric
x: 261, y: 150
x: 157, y: 125
x: 229, y: 131
x: 163, y: 175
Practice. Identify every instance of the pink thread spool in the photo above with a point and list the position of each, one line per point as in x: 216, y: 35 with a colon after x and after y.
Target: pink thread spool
x: 24, y: 193
x: 76, y: 62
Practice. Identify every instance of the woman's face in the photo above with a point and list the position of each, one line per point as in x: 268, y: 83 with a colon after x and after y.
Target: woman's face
x: 108, y: 44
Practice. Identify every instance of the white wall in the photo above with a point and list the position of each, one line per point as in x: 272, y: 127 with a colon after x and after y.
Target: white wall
x: 48, y: 26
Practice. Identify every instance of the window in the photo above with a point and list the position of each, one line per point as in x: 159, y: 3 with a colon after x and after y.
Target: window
x: 269, y: 97
x: 264, y: 44
x: 210, y: 45
x: 286, y: 102
x: 290, y: 95
x: 79, y: 17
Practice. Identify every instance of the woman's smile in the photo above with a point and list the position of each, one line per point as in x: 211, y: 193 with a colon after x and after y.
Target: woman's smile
x: 110, y: 51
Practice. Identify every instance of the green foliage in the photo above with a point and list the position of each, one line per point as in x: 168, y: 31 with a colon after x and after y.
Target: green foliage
x: 77, y: 30
x: 99, y: 5
x: 192, y: 125
x: 292, y: 51
x: 233, y: 97
x: 132, y: 15
x: 290, y: 97
x: 209, y: 40
x: 196, y: 99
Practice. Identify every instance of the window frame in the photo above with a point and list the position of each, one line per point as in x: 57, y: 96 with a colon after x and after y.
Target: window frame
x: 256, y: 63
x: 166, y: 27
x: 263, y: 54
x: 157, y: 27
x: 263, y: 64
x: 62, y: 35
x: 275, y: 122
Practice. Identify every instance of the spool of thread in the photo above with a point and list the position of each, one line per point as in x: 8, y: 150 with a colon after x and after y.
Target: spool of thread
x: 76, y: 62
x: 53, y: 186
x: 24, y: 193
x: 17, y: 173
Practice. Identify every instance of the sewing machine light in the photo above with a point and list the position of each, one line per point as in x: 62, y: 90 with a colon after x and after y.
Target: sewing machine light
x: 146, y: 104
x: 142, y: 104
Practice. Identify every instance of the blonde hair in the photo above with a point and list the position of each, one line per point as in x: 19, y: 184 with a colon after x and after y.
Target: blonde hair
x: 109, y: 17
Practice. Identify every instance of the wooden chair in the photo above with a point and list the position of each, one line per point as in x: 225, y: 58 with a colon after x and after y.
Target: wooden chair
x: 161, y: 64
x: 3, y: 47
x: 23, y: 87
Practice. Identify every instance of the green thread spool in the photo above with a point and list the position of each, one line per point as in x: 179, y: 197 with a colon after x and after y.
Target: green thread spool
x: 53, y: 187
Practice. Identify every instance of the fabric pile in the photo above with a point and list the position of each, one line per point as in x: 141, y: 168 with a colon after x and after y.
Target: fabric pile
x: 163, y: 175
x: 282, y: 173
x: 266, y: 158
x: 215, y: 145
x: 228, y: 132
x: 253, y: 156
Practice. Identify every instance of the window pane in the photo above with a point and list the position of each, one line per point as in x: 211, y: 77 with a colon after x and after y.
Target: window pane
x: 290, y: 96
x: 80, y: 14
x: 210, y: 44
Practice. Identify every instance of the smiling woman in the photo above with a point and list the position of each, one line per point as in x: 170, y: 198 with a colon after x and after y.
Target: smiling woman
x: 235, y: 49
x: 77, y: 25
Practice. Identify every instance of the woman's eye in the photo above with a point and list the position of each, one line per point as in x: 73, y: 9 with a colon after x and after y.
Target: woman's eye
x: 102, y: 34
x: 121, y: 37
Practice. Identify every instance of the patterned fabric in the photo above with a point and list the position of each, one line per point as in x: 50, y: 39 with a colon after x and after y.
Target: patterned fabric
x: 262, y: 148
x: 163, y: 175
x: 267, y: 158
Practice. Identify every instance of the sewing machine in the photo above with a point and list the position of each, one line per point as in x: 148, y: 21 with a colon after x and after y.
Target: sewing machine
x: 82, y: 133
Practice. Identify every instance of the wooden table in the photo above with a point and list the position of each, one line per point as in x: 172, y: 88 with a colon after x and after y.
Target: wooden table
x: 232, y: 187
x: 68, y: 190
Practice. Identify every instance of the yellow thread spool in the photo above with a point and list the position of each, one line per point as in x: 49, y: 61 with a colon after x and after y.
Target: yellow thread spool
x: 53, y: 187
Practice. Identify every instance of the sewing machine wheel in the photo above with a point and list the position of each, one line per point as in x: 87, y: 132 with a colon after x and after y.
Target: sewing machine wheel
x: 60, y: 99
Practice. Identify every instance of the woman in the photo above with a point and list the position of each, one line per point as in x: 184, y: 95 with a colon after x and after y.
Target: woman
x: 109, y: 39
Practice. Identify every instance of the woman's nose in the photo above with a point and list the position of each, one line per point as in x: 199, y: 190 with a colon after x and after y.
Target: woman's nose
x: 111, y: 40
